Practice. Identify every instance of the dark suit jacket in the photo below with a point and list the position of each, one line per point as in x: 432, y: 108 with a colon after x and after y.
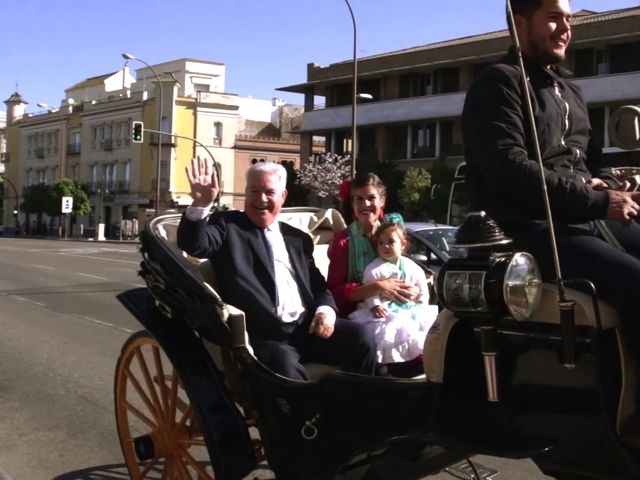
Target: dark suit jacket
x: 239, y: 258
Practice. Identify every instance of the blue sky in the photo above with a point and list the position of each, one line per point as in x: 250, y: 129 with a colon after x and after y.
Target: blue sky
x: 265, y: 44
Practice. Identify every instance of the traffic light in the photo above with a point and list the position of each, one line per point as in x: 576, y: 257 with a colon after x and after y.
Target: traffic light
x: 136, y: 132
x: 15, y: 211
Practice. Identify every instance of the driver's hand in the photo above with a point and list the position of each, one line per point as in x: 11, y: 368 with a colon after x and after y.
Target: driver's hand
x: 623, y: 206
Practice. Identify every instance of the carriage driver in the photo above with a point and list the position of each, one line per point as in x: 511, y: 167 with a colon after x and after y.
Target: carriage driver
x: 266, y: 269
x: 503, y: 174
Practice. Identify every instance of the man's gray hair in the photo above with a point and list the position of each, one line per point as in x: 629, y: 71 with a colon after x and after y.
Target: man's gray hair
x: 269, y: 168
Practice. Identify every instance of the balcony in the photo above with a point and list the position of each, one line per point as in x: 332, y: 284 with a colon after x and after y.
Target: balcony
x: 617, y: 87
x: 107, y: 144
x: 39, y: 152
x: 73, y: 149
x: 386, y: 111
x: 123, y: 186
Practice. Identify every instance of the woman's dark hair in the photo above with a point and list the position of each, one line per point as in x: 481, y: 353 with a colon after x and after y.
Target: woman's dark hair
x: 362, y: 179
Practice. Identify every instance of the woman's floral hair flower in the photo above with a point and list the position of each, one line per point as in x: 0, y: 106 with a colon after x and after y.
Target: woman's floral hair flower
x: 345, y: 190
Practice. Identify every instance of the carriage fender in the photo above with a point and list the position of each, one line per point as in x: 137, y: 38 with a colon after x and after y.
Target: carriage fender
x: 435, y: 346
x: 225, y: 432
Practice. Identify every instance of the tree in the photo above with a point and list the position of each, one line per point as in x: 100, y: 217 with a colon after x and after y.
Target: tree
x: 415, y: 192
x: 66, y: 187
x: 323, y: 174
x: 36, y: 199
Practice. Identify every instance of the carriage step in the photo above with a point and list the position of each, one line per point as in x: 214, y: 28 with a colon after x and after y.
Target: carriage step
x: 464, y: 471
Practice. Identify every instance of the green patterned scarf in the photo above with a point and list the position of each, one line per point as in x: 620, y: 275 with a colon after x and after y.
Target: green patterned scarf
x: 361, y: 253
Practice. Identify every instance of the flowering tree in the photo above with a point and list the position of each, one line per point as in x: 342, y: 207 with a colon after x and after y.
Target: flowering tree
x: 323, y: 174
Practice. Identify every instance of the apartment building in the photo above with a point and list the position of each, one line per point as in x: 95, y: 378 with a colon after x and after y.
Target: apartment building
x: 88, y: 138
x: 417, y: 94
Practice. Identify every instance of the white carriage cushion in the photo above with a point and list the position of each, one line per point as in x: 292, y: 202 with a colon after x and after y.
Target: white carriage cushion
x: 321, y: 224
x: 585, y: 314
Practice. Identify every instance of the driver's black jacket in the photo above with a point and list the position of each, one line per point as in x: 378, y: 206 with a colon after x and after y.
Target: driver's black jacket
x: 502, y: 173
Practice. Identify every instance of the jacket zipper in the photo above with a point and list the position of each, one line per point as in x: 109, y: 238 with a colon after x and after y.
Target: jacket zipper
x: 565, y: 123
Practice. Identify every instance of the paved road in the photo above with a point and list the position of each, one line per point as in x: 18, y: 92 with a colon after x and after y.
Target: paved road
x: 62, y: 330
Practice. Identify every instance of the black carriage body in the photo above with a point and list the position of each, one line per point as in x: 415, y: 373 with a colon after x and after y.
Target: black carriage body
x: 541, y: 403
x: 333, y: 427
x: 351, y: 426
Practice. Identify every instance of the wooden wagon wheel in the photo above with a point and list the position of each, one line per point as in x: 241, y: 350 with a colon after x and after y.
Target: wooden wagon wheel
x: 158, y: 431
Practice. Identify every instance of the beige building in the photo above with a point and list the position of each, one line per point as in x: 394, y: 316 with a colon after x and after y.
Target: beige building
x: 88, y: 138
x: 418, y: 93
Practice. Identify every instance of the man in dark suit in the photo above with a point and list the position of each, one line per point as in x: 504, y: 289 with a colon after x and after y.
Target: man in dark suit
x: 266, y: 268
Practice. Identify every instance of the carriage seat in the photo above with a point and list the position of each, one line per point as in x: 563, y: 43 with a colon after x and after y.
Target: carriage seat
x: 319, y: 223
x: 547, y: 312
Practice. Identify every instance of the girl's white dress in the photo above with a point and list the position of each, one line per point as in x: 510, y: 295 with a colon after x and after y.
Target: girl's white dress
x: 400, y: 336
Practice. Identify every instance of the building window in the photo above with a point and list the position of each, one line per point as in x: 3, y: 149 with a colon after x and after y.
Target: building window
x: 415, y: 85
x: 589, y: 62
x: 625, y: 57
x: 217, y: 133
x: 446, y: 80
x: 423, y: 141
x: 201, y: 87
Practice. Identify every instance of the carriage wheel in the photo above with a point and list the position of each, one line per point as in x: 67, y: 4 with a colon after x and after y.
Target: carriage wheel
x: 158, y: 431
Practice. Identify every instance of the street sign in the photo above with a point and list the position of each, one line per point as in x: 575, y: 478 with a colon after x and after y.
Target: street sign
x: 67, y: 204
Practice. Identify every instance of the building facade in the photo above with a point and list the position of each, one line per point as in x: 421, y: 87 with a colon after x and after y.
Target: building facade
x: 88, y: 138
x: 417, y: 94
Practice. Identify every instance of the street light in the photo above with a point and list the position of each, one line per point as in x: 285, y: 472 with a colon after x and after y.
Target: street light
x: 354, y: 95
x: 128, y: 56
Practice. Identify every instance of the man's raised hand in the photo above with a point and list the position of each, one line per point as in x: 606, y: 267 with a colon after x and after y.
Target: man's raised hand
x: 203, y: 180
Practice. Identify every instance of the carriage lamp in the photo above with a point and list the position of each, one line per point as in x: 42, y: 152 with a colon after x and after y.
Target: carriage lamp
x: 490, y: 280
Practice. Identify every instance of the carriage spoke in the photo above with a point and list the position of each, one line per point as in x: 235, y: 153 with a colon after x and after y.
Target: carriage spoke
x: 188, y: 415
x: 160, y: 375
x: 150, y: 423
x: 193, y: 442
x: 195, y: 464
x: 143, y: 395
x: 148, y: 468
x: 173, y: 397
x: 181, y: 468
x: 147, y: 377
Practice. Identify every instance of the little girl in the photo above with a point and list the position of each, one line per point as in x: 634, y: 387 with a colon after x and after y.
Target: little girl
x: 400, y: 328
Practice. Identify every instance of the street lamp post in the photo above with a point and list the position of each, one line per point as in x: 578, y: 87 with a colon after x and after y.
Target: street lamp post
x: 128, y: 56
x: 354, y: 96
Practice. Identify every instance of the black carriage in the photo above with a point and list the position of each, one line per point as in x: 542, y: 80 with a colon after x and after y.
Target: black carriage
x: 193, y: 402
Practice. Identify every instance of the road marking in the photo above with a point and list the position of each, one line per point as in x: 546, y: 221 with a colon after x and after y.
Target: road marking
x: 102, y: 258
x: 92, y: 276
x: 30, y: 301
x: 44, y: 267
x: 103, y: 324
